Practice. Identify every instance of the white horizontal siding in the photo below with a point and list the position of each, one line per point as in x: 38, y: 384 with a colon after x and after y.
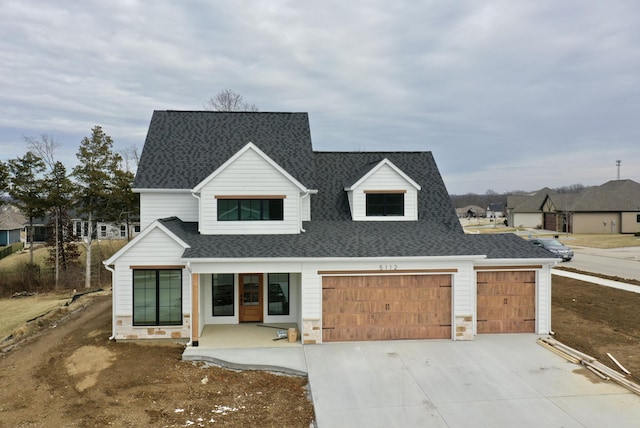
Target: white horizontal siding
x: 543, y: 300
x: 250, y: 174
x: 154, y: 249
x: 464, y: 301
x: 155, y: 205
x: 385, y: 178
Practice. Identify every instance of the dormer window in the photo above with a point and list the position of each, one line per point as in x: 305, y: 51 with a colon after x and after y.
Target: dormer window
x: 250, y: 208
x: 384, y: 203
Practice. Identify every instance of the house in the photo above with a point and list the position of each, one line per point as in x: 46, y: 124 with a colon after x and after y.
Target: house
x: 242, y: 221
x: 11, y: 221
x: 495, y: 210
x: 525, y: 210
x: 104, y: 230
x: 613, y: 207
x: 470, y: 211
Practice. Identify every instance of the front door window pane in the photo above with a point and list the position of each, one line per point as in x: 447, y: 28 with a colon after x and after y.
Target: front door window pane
x: 251, y: 290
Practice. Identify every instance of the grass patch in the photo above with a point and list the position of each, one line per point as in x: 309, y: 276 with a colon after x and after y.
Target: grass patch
x: 16, y: 312
x: 600, y: 241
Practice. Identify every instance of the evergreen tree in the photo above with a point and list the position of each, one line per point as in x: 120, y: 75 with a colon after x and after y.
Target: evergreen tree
x: 96, y: 179
x: 4, y: 180
x: 28, y: 189
x: 63, y: 249
x: 125, y: 203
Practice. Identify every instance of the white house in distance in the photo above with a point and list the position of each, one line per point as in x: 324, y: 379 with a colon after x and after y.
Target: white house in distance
x: 242, y: 221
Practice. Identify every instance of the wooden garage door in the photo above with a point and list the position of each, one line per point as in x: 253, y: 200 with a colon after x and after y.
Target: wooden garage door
x: 386, y: 307
x: 507, y: 302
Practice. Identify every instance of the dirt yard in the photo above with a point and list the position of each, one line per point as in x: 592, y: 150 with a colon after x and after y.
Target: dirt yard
x: 69, y: 374
x: 598, y: 320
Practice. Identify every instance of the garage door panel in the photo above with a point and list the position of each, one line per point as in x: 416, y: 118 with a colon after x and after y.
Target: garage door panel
x: 344, y: 320
x: 386, y: 307
x: 507, y: 277
x: 523, y: 326
x: 506, y: 302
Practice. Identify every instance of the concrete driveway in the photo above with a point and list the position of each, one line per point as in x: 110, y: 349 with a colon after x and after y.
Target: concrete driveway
x: 495, y: 381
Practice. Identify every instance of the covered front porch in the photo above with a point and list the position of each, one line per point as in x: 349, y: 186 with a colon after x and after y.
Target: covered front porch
x: 249, y: 335
x: 245, y: 309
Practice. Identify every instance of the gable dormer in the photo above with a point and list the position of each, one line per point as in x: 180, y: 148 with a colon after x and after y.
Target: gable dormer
x: 251, y: 194
x: 383, y: 193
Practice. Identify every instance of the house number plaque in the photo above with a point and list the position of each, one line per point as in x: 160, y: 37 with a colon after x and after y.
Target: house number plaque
x: 388, y: 267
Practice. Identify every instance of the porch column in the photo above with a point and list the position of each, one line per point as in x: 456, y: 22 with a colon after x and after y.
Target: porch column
x: 195, y: 304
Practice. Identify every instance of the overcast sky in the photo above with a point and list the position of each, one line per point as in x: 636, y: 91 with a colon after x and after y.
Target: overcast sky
x: 506, y: 94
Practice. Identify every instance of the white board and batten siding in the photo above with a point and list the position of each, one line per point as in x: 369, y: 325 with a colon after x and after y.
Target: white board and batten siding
x: 252, y: 175
x: 156, y: 205
x: 385, y: 178
x: 155, y: 249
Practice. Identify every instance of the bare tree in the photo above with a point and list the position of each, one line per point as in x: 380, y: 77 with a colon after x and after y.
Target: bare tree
x: 44, y: 147
x: 131, y: 157
x: 228, y: 100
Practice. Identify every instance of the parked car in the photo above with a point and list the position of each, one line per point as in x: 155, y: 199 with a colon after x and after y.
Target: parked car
x: 554, y: 246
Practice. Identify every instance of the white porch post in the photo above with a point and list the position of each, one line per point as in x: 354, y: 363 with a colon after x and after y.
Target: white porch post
x: 195, y: 305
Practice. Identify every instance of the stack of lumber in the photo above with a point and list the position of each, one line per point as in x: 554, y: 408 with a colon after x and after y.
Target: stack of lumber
x: 599, y: 369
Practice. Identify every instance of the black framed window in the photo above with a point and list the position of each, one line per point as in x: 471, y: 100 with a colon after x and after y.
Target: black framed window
x: 385, y: 204
x: 223, y: 294
x: 250, y: 209
x: 279, y: 294
x: 157, y: 297
x: 638, y: 218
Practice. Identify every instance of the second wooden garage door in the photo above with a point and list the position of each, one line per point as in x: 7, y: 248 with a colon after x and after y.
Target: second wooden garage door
x: 386, y: 307
x: 507, y: 302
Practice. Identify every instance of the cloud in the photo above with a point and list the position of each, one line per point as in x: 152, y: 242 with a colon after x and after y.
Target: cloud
x: 499, y: 90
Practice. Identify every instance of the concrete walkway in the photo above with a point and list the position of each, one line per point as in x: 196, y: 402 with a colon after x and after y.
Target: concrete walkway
x: 588, y: 278
x: 282, y: 360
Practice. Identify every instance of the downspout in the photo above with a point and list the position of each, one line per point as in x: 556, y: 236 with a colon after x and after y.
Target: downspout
x: 113, y: 301
x: 199, y: 207
x: 306, y: 195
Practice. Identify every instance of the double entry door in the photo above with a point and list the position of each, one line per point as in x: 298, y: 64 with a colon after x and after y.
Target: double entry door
x: 250, y: 291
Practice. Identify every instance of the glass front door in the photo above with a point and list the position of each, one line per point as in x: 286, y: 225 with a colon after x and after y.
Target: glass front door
x: 250, y: 297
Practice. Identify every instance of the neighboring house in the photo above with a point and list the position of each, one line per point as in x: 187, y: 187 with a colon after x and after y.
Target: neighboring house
x: 495, y: 210
x: 470, y: 211
x: 526, y: 210
x: 104, y: 230
x: 242, y: 221
x: 11, y: 221
x: 613, y: 207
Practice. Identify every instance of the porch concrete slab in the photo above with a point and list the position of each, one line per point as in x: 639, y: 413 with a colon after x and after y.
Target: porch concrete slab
x: 494, y: 381
x: 289, y: 360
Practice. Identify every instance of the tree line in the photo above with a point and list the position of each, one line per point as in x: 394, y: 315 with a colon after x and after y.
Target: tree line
x: 97, y: 189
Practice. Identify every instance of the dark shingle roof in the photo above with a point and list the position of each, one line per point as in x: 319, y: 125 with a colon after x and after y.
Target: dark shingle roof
x: 615, y: 195
x: 183, y: 148
x: 353, y: 239
x: 528, y: 203
x: 337, y: 169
